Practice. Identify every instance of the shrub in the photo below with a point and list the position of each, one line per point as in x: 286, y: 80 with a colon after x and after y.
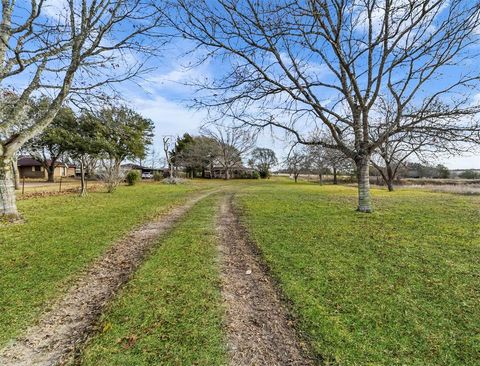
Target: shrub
x: 255, y: 175
x: 157, y: 176
x: 133, y: 176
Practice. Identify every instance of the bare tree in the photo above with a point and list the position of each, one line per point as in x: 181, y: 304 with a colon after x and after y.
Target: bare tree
x: 111, y: 173
x: 326, y: 64
x: 168, y: 145
x: 297, y: 162
x: 233, y: 143
x: 82, y: 46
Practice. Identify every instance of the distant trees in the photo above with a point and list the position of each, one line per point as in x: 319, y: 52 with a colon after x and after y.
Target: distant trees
x: 305, y: 65
x: 469, y: 174
x: 296, y: 163
x: 49, y: 147
x: 232, y: 144
x: 196, y: 154
x: 263, y: 160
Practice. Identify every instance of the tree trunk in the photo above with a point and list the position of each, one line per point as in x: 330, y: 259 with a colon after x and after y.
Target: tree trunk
x: 51, y: 174
x: 335, y: 181
x: 8, y: 204
x: 227, y: 174
x: 83, y: 185
x: 320, y: 178
x: 295, y: 176
x: 16, y: 173
x: 390, y: 178
x: 363, y: 174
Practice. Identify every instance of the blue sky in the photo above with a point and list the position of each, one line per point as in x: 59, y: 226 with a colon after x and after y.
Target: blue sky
x: 164, y: 97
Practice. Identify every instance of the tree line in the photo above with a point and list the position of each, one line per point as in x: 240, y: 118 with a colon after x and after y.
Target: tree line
x: 98, y: 142
x: 377, y: 81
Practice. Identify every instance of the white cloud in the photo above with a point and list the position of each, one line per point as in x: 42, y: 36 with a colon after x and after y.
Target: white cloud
x: 170, y: 118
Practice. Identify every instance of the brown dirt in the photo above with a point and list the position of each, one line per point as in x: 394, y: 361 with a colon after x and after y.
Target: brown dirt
x: 259, y: 330
x: 64, y: 328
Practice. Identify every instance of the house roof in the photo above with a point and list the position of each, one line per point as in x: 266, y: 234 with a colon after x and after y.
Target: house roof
x: 29, y: 161
x: 137, y: 167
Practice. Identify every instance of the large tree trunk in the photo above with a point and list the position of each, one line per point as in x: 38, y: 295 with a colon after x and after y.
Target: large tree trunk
x: 227, y: 174
x: 335, y: 181
x: 320, y: 178
x: 51, y: 174
x: 363, y: 174
x: 8, y: 205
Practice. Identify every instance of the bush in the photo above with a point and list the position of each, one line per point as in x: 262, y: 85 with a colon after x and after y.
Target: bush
x: 255, y: 175
x: 157, y: 176
x: 133, y: 176
x: 174, y: 180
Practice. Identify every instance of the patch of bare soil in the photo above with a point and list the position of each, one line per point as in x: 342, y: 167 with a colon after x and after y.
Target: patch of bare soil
x: 64, y: 328
x: 259, y: 329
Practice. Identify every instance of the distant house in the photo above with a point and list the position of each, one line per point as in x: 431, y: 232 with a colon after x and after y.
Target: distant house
x: 238, y: 171
x: 145, y: 171
x: 28, y: 167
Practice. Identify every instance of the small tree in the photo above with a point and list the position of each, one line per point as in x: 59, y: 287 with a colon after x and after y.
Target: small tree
x: 123, y: 134
x: 263, y: 159
x: 167, y: 146
x: 82, y: 144
x: 296, y: 162
x: 49, y: 147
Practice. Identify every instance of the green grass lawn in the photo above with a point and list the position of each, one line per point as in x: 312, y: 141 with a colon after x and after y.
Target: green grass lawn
x: 62, y: 235
x: 400, y: 286
x: 170, y: 313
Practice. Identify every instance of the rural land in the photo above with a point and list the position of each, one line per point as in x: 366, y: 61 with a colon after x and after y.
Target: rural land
x: 241, y: 183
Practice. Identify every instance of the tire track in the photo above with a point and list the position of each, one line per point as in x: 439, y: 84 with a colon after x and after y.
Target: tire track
x: 66, y: 326
x: 259, y: 330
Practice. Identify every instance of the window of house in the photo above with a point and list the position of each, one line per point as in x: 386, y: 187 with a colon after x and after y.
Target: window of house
x: 37, y: 168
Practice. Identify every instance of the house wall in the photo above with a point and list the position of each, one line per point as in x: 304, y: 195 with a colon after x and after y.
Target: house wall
x: 61, y: 171
x: 32, y: 172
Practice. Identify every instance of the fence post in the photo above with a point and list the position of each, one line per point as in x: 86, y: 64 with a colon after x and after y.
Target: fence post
x: 60, y: 188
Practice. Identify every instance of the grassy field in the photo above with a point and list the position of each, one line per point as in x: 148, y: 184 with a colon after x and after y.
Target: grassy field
x: 62, y: 235
x: 400, y: 286
x: 170, y: 313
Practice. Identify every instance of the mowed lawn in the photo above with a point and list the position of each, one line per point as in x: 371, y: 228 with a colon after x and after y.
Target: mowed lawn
x: 170, y: 313
x: 63, y: 234
x: 400, y: 286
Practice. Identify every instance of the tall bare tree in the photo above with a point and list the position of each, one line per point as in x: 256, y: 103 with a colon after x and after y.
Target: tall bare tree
x: 326, y: 64
x: 81, y: 46
x: 232, y: 143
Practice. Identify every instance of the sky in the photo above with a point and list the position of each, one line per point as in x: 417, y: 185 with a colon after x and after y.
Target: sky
x: 164, y: 97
